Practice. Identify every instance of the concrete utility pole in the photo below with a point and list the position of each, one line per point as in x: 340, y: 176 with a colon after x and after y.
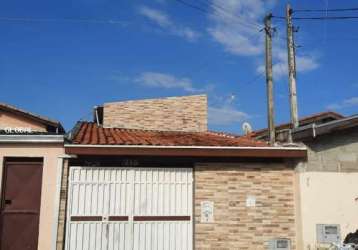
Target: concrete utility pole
x: 291, y: 68
x: 269, y: 78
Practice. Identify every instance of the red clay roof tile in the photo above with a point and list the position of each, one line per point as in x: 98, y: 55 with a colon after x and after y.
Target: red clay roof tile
x: 90, y: 134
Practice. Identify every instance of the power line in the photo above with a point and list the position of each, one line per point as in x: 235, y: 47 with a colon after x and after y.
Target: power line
x: 25, y: 19
x: 326, y: 18
x: 325, y: 10
x: 193, y: 6
x: 218, y: 8
x: 225, y: 10
x: 319, y: 18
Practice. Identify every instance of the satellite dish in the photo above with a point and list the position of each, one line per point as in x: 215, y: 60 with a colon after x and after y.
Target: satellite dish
x: 247, y: 128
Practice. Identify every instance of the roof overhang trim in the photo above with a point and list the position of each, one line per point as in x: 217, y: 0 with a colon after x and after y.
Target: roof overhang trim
x: 32, y: 139
x: 187, y: 151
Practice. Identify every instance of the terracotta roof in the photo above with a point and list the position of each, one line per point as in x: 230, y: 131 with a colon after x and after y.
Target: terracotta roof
x: 321, y: 117
x: 88, y: 133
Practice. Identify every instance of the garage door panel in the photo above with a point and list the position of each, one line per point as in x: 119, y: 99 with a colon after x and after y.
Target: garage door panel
x: 170, y: 235
x: 130, y: 208
x: 169, y: 194
x: 89, y: 199
x: 119, y: 236
x: 86, y: 235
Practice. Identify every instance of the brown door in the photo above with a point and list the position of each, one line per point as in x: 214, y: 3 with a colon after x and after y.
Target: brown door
x: 20, y: 206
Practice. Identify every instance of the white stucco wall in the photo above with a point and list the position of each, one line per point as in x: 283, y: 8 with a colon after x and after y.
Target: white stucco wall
x: 328, y: 198
x: 328, y: 186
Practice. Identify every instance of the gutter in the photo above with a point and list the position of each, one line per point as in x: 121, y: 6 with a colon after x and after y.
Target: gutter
x: 181, y: 147
x: 32, y: 139
x: 303, y: 132
x: 186, y: 151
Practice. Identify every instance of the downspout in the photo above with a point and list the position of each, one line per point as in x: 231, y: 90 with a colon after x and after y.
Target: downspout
x: 314, y: 130
x: 97, y: 120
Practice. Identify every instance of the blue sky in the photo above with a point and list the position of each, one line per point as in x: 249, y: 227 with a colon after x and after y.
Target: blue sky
x: 53, y: 64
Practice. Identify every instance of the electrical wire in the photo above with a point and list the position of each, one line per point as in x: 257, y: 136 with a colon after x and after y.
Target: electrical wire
x: 218, y: 8
x: 226, y: 11
x: 193, y: 6
x: 319, y: 18
x: 23, y: 19
x: 326, y: 18
x: 326, y: 10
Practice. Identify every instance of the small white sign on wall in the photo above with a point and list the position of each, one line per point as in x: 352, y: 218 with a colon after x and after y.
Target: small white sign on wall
x: 250, y: 201
x: 207, y: 212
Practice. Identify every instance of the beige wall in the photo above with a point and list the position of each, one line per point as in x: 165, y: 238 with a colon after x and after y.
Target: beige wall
x: 50, y: 154
x: 328, y: 184
x: 328, y: 198
x: 235, y: 225
x: 186, y: 113
x: 10, y: 120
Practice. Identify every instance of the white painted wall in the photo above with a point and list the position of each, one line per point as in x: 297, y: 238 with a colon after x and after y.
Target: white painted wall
x: 328, y: 198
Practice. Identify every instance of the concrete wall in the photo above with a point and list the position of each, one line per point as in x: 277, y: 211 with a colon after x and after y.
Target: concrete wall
x: 10, y: 120
x: 50, y: 154
x: 235, y: 225
x: 187, y: 113
x: 329, y: 185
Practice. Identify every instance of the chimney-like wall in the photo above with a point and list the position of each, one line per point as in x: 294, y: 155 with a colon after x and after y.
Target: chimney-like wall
x: 186, y: 113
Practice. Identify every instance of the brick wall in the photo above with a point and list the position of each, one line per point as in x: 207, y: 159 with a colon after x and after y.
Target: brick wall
x: 236, y: 226
x: 60, y: 239
x: 187, y: 113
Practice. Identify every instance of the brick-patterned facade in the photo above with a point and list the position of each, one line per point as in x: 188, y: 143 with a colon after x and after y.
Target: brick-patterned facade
x: 61, y: 229
x: 236, y: 226
x: 187, y: 113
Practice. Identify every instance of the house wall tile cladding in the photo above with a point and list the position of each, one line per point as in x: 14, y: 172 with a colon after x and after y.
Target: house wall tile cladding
x: 60, y: 239
x: 235, y: 225
x: 187, y: 113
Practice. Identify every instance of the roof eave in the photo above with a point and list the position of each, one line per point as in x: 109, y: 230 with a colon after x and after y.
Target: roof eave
x: 186, y: 151
x: 312, y: 131
x: 8, y: 139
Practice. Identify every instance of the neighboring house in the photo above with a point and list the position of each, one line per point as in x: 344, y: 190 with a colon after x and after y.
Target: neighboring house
x: 30, y: 167
x: 147, y: 174
x: 329, y: 179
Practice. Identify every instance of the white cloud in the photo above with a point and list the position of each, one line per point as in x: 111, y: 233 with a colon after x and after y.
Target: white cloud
x: 350, y: 102
x: 238, y: 35
x: 156, y: 16
x: 225, y: 115
x: 167, y: 81
x: 235, y: 24
x: 164, y: 21
x: 280, y: 64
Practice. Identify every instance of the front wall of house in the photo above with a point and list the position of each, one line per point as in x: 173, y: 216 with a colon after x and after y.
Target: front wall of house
x: 329, y: 186
x: 236, y: 225
x: 15, y: 121
x: 50, y: 154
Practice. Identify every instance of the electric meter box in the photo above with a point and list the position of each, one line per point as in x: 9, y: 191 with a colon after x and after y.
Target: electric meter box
x: 328, y: 233
x: 279, y: 244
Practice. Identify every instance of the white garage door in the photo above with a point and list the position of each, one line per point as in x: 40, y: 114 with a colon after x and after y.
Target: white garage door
x: 129, y: 209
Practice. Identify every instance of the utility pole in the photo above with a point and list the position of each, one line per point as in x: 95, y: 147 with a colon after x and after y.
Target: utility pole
x: 269, y: 78
x: 291, y: 68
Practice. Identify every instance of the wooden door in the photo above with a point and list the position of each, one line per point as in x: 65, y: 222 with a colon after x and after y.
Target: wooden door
x: 20, y: 206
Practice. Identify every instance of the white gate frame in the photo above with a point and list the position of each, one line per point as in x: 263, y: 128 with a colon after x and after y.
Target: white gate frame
x: 130, y: 183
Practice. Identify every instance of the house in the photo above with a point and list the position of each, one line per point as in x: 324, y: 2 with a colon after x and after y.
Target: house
x: 147, y: 174
x: 328, y: 179
x: 31, y: 147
